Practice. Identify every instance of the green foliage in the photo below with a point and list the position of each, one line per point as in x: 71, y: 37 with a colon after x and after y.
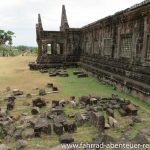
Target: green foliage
x: 35, y: 50
x: 22, y: 48
x: 6, y: 51
x: 26, y: 49
x: 6, y: 36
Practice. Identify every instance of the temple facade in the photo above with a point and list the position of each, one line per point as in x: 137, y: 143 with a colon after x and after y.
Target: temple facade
x: 116, y: 49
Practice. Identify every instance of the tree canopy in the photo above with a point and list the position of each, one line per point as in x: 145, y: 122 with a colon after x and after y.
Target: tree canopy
x: 6, y: 36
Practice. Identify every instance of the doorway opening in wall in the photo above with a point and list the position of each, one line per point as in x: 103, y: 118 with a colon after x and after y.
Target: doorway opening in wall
x: 49, y: 49
x: 60, y: 48
x: 107, y: 47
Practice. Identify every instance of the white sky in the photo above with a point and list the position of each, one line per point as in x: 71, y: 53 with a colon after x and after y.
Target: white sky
x: 20, y: 16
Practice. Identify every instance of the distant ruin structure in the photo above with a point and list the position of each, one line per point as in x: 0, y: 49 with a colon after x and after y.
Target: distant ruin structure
x: 116, y: 48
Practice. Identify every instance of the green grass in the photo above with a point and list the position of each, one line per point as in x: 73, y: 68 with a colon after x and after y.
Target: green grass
x: 19, y: 76
x: 91, y: 86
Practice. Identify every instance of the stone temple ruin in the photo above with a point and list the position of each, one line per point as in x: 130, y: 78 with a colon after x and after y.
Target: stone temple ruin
x: 116, y: 48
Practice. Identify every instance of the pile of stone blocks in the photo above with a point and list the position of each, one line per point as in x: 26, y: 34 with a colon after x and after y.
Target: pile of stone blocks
x: 58, y: 72
x: 80, y: 74
x: 38, y: 102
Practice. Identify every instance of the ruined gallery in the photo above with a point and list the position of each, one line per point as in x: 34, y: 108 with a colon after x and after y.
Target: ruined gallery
x: 116, y: 49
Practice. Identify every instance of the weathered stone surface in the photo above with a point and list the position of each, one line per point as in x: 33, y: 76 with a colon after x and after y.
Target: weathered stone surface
x: 43, y: 70
x: 43, y: 115
x: 140, y: 139
x: 18, y: 134
x: 82, y: 75
x: 28, y: 120
x: 72, y: 103
x: 57, y: 110
x: 49, y: 85
x: 145, y: 131
x: 110, y: 112
x: 38, y: 102
x: 55, y: 103
x: 71, y: 115
x: 10, y: 98
x: 97, y: 119
x: 78, y: 72
x: 55, y: 89
x: 10, y: 105
x: 81, y: 118
x: 59, y: 72
x: 50, y: 115
x: 84, y: 99
x: 97, y: 51
x: 113, y: 122
x: 131, y: 109
x: 35, y: 110
x: 62, y: 102
x: 70, y: 127
x: 66, y: 139
x: 63, y: 74
x: 105, y: 139
x: 10, y: 129
x: 17, y: 92
x: 58, y: 128
x: 28, y: 133
x: 42, y: 126
x: 107, y: 126
x: 122, y: 112
x: 4, y: 147
x: 42, y: 92
x: 21, y: 144
x: 93, y: 101
x: 59, y: 119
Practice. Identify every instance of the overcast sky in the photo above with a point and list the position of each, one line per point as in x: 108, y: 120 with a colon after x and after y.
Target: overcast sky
x: 20, y: 16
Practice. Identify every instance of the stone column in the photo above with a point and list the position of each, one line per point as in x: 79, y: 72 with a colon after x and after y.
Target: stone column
x: 144, y: 40
x: 134, y: 42
x: 52, y: 48
x: 118, y: 48
x: 55, y: 48
x: 92, y: 42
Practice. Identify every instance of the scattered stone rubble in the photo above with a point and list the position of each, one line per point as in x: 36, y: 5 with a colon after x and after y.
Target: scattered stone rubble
x: 38, y: 102
x: 17, y: 92
x: 58, y: 72
x: 42, y: 92
x: 66, y: 139
x: 10, y: 102
x: 80, y: 74
x: 56, y: 120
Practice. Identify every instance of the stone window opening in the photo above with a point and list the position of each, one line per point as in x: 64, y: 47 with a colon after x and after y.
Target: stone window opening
x: 49, y: 48
x: 126, y: 47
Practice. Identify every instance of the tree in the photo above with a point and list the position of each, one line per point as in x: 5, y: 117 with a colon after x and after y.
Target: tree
x: 6, y: 36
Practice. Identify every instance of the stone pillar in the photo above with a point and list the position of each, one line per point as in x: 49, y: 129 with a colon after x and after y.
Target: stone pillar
x: 55, y: 48
x: 144, y: 39
x: 134, y: 42
x: 92, y: 42
x: 113, y: 52
x: 118, y: 48
x: 52, y: 48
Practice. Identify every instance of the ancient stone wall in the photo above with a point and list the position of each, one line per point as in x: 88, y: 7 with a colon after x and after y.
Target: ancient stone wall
x: 115, y: 48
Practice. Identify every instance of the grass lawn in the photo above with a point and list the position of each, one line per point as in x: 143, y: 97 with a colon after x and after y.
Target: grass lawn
x: 14, y: 72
